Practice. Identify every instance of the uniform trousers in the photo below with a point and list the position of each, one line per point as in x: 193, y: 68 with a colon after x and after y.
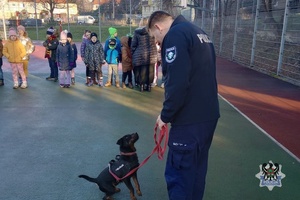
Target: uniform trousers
x: 187, y: 160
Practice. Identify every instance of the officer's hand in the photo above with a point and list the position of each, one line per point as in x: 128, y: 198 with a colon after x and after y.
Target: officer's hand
x: 160, y: 123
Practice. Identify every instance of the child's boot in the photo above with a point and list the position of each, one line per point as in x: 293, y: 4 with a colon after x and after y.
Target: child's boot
x: 73, y: 81
x: 117, y: 84
x: 90, y: 82
x: 130, y: 85
x: 123, y: 85
x: 1, y: 82
x: 16, y: 85
x: 107, y: 84
x: 100, y: 82
x: 24, y: 85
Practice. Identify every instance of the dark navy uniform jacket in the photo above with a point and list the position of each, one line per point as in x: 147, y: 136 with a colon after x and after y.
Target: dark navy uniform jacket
x: 189, y: 64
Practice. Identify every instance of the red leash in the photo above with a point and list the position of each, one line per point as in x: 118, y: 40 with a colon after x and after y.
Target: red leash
x: 158, y: 139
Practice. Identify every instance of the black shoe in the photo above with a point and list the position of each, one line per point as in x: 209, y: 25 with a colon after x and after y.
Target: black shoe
x: 1, y: 82
x: 50, y: 78
x: 55, y: 79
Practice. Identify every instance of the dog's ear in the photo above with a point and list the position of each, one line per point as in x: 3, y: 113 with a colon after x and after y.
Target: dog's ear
x: 119, y: 142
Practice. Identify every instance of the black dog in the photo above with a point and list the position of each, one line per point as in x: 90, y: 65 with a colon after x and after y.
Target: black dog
x: 124, y: 163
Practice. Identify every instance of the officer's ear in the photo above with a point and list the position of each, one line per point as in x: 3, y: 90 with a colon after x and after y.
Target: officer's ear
x: 158, y: 27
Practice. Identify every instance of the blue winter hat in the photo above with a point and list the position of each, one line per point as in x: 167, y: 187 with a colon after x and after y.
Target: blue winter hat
x: 50, y: 31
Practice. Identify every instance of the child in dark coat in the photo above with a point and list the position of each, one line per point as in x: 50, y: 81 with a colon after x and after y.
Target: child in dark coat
x: 74, y: 51
x: 94, y: 58
x: 65, y: 60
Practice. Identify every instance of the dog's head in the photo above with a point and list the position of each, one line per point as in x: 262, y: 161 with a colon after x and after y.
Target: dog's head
x: 127, y: 142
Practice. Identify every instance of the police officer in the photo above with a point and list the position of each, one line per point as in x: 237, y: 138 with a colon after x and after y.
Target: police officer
x: 191, y: 102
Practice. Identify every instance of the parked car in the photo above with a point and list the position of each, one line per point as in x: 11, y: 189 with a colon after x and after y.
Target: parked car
x: 31, y: 22
x: 85, y: 19
x: 7, y: 22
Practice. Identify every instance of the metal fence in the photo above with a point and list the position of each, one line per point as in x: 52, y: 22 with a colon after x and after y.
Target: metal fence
x: 264, y: 37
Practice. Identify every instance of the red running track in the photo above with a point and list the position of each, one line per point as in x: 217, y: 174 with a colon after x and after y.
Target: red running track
x: 274, y: 105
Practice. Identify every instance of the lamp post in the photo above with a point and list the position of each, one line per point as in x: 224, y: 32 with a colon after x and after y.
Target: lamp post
x: 36, y: 23
x: 2, y: 3
x: 99, y: 21
x: 130, y: 16
x: 68, y: 15
x: 113, y: 4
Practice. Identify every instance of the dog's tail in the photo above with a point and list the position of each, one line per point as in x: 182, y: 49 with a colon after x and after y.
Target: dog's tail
x: 88, y: 178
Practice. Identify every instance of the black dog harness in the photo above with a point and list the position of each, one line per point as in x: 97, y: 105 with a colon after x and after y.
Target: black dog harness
x: 120, y: 168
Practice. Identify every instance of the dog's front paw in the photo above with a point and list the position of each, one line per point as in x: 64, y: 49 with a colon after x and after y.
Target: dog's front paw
x: 107, y: 198
x: 139, y: 193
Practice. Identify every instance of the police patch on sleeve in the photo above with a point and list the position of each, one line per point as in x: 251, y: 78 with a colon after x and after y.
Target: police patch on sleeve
x: 170, y: 54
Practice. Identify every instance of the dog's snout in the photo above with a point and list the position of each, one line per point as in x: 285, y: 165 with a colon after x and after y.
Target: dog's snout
x: 135, y: 136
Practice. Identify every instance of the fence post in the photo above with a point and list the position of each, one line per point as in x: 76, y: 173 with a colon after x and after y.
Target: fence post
x: 222, y: 27
x: 254, y: 34
x: 214, y: 20
x: 203, y: 15
x: 284, y: 27
x: 235, y: 28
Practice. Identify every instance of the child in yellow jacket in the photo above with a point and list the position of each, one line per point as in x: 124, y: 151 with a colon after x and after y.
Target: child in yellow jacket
x: 15, y: 52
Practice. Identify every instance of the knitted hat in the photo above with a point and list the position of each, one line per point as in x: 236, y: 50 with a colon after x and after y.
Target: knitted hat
x: 63, y: 35
x: 69, y: 35
x: 50, y: 31
x: 20, y: 27
x: 112, y: 31
x: 94, y: 34
x: 12, y: 32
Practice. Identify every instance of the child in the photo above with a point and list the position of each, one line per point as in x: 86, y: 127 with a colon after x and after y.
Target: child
x: 126, y: 61
x: 113, y: 37
x: 29, y: 47
x: 112, y: 59
x: 51, y: 44
x: 65, y: 60
x: 94, y: 58
x: 86, y: 38
x: 15, y: 52
x: 1, y: 62
x: 74, y: 49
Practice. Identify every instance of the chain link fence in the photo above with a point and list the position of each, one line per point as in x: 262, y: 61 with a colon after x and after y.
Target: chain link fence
x: 262, y: 35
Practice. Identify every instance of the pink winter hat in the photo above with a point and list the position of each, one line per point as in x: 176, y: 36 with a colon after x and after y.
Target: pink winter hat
x: 63, y: 35
x: 12, y: 32
x: 20, y: 27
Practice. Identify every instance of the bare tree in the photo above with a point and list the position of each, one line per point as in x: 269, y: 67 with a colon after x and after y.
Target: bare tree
x: 50, y: 5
